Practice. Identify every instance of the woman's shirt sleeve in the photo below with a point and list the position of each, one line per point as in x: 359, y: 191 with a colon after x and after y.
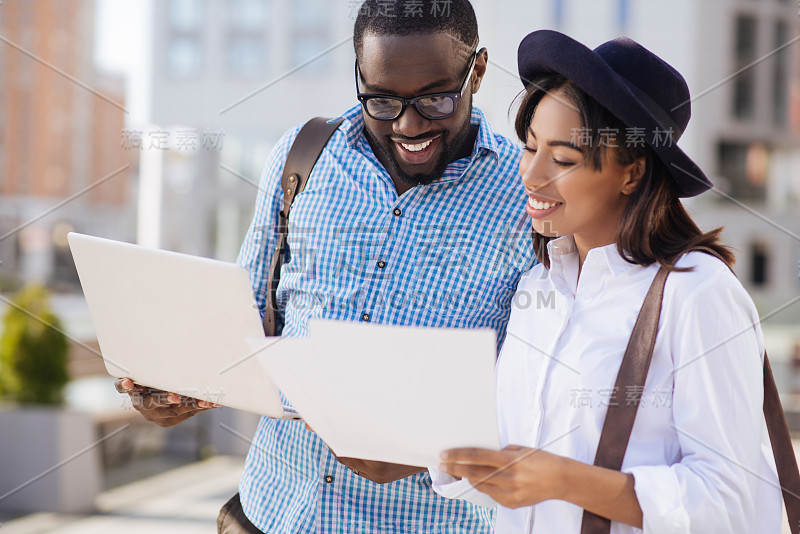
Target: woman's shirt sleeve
x: 717, y: 350
x: 453, y: 488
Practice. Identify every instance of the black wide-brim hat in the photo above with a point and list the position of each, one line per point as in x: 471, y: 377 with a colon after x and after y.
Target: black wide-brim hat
x: 635, y: 85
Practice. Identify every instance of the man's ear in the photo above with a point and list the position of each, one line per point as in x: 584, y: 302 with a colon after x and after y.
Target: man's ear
x: 480, y: 69
x: 633, y: 175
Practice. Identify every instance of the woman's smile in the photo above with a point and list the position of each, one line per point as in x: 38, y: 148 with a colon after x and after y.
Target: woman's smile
x: 539, y: 207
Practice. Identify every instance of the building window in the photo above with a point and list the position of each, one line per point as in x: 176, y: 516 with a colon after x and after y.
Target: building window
x: 311, y: 33
x: 186, y: 15
x: 245, y: 55
x: 744, y: 84
x: 64, y: 271
x: 743, y: 167
x: 780, y: 76
x: 245, y: 47
x: 246, y: 15
x: 759, y: 264
x: 185, y: 43
x: 184, y: 57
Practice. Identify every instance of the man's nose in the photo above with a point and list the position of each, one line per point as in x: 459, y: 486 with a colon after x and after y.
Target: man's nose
x: 410, y: 123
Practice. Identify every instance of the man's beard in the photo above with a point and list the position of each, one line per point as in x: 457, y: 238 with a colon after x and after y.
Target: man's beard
x: 449, y: 152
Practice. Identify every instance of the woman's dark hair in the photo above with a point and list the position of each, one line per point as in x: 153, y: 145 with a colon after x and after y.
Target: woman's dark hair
x: 655, y: 226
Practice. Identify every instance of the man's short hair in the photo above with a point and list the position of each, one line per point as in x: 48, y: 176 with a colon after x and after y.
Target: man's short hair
x: 410, y: 17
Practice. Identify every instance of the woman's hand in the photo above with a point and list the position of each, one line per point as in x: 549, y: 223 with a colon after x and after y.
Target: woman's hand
x: 520, y: 476
x: 514, y: 477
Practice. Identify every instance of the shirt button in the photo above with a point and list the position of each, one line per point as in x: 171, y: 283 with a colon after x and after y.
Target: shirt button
x: 397, y: 212
x: 381, y: 264
x: 328, y: 479
x: 365, y: 317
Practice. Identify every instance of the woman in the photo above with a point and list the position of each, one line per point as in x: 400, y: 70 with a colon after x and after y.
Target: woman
x: 604, y: 177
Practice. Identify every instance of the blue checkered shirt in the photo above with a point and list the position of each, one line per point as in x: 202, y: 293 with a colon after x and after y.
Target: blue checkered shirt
x: 448, y: 254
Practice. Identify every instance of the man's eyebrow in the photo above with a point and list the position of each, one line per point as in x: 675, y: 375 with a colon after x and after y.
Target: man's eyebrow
x: 567, y: 144
x: 420, y: 91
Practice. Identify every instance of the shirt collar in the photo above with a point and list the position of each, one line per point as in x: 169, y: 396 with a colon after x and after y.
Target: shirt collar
x: 353, y: 125
x: 608, y: 256
x: 485, y: 142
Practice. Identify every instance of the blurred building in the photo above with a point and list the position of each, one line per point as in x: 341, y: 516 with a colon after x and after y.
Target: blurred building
x: 60, y: 124
x: 235, y: 65
x: 235, y: 74
x: 740, y: 58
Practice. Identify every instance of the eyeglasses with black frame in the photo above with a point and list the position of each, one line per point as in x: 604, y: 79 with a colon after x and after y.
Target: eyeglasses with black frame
x: 434, y: 106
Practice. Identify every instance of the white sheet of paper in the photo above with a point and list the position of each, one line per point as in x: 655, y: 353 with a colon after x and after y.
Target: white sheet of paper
x: 389, y: 393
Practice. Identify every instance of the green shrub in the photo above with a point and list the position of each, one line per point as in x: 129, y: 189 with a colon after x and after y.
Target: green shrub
x: 33, y: 350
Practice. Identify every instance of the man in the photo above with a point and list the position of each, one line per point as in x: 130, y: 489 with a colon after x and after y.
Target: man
x: 414, y: 215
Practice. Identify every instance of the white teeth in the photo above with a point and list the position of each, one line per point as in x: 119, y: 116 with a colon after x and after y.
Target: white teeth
x: 417, y: 148
x: 541, y: 205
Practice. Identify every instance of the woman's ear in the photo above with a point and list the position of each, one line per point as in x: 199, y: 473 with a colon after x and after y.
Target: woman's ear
x: 633, y: 175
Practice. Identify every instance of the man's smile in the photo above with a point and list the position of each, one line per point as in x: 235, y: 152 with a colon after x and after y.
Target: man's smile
x: 417, y: 152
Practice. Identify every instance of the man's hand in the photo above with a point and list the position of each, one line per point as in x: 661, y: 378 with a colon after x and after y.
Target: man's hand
x: 379, y: 472
x: 161, y: 407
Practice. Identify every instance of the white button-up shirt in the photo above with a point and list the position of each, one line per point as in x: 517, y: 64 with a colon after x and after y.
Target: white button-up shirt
x: 699, y: 450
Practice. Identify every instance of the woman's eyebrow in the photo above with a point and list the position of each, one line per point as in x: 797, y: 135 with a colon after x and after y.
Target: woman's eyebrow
x: 567, y: 144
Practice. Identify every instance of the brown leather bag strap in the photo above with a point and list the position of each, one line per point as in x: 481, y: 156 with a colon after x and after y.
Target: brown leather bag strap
x: 782, y: 449
x: 303, y: 155
x: 631, y: 377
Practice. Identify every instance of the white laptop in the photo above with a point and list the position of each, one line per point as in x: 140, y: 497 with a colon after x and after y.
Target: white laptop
x: 176, y: 322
